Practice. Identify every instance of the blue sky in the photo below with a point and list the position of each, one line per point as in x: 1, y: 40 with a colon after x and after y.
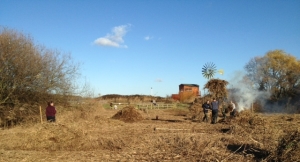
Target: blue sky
x: 127, y: 47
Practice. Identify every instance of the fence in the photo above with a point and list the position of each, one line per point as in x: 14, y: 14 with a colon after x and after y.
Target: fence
x: 145, y: 105
x: 157, y: 106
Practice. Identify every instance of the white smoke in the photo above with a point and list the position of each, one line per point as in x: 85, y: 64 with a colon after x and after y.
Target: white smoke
x: 244, y: 94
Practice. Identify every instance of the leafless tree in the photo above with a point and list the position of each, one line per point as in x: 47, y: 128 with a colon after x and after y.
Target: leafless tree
x: 33, y: 73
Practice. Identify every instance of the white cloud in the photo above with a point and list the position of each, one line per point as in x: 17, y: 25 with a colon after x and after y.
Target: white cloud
x: 115, y: 39
x: 148, y: 38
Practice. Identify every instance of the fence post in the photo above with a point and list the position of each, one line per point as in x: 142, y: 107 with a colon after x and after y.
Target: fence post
x: 41, y: 114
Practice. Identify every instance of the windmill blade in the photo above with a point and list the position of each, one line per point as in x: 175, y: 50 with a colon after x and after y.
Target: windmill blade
x: 209, y: 70
x: 221, y: 71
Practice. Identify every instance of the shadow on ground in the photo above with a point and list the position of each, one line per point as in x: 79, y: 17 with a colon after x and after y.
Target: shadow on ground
x: 246, y: 149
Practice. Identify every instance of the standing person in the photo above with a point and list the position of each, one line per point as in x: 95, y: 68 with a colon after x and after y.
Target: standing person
x: 206, y: 107
x: 154, y: 102
x: 233, y: 112
x: 215, y: 108
x: 50, y: 112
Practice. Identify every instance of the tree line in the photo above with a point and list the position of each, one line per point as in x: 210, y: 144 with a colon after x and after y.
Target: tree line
x: 276, y: 72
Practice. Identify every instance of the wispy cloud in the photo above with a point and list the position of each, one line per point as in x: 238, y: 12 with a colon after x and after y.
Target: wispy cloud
x: 114, y: 39
x: 158, y: 80
x: 148, y: 38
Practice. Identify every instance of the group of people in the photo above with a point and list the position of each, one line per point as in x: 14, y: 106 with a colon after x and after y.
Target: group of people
x: 214, y: 107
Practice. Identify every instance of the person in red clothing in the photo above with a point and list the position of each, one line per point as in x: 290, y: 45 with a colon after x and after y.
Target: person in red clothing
x: 50, y: 112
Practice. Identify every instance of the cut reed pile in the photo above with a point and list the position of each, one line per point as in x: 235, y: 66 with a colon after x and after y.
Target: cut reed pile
x: 288, y: 148
x: 128, y: 114
x: 273, y: 136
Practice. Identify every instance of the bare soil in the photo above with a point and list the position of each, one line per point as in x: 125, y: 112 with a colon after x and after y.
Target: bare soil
x: 91, y: 134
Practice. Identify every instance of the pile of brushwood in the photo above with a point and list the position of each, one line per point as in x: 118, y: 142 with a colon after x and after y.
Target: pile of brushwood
x: 128, y: 114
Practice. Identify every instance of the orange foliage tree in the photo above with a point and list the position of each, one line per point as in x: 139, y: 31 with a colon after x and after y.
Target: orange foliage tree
x: 277, y: 72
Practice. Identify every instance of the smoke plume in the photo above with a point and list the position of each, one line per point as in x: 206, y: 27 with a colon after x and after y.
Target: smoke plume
x: 244, y: 94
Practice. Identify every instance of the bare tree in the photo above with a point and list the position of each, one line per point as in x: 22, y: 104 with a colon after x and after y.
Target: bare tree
x: 33, y: 73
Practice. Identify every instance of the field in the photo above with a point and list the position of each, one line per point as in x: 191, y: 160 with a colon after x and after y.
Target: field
x: 89, y: 133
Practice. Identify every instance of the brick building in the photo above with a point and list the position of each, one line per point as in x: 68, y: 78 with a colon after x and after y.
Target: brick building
x: 187, y: 88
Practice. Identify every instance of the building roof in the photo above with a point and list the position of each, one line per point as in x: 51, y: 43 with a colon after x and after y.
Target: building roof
x: 191, y: 85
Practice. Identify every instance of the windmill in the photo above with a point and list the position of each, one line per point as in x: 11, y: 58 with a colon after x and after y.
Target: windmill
x: 209, y: 70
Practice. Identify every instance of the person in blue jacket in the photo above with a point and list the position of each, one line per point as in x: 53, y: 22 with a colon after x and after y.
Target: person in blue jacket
x: 215, y: 109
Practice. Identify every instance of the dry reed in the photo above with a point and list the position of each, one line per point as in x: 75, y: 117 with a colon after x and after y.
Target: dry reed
x: 89, y: 134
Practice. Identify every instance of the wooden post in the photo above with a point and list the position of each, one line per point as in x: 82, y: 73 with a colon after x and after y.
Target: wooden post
x: 41, y: 114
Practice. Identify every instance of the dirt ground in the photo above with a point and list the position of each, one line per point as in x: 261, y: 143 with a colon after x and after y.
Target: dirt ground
x: 163, y: 135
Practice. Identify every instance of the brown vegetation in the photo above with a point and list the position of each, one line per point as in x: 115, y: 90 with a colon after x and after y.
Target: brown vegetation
x: 186, y: 97
x: 217, y: 88
x: 31, y: 75
x: 128, y: 114
x: 88, y: 133
x: 132, y: 98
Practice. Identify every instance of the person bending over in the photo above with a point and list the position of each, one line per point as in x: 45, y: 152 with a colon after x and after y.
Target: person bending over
x: 233, y: 112
x: 206, y: 107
